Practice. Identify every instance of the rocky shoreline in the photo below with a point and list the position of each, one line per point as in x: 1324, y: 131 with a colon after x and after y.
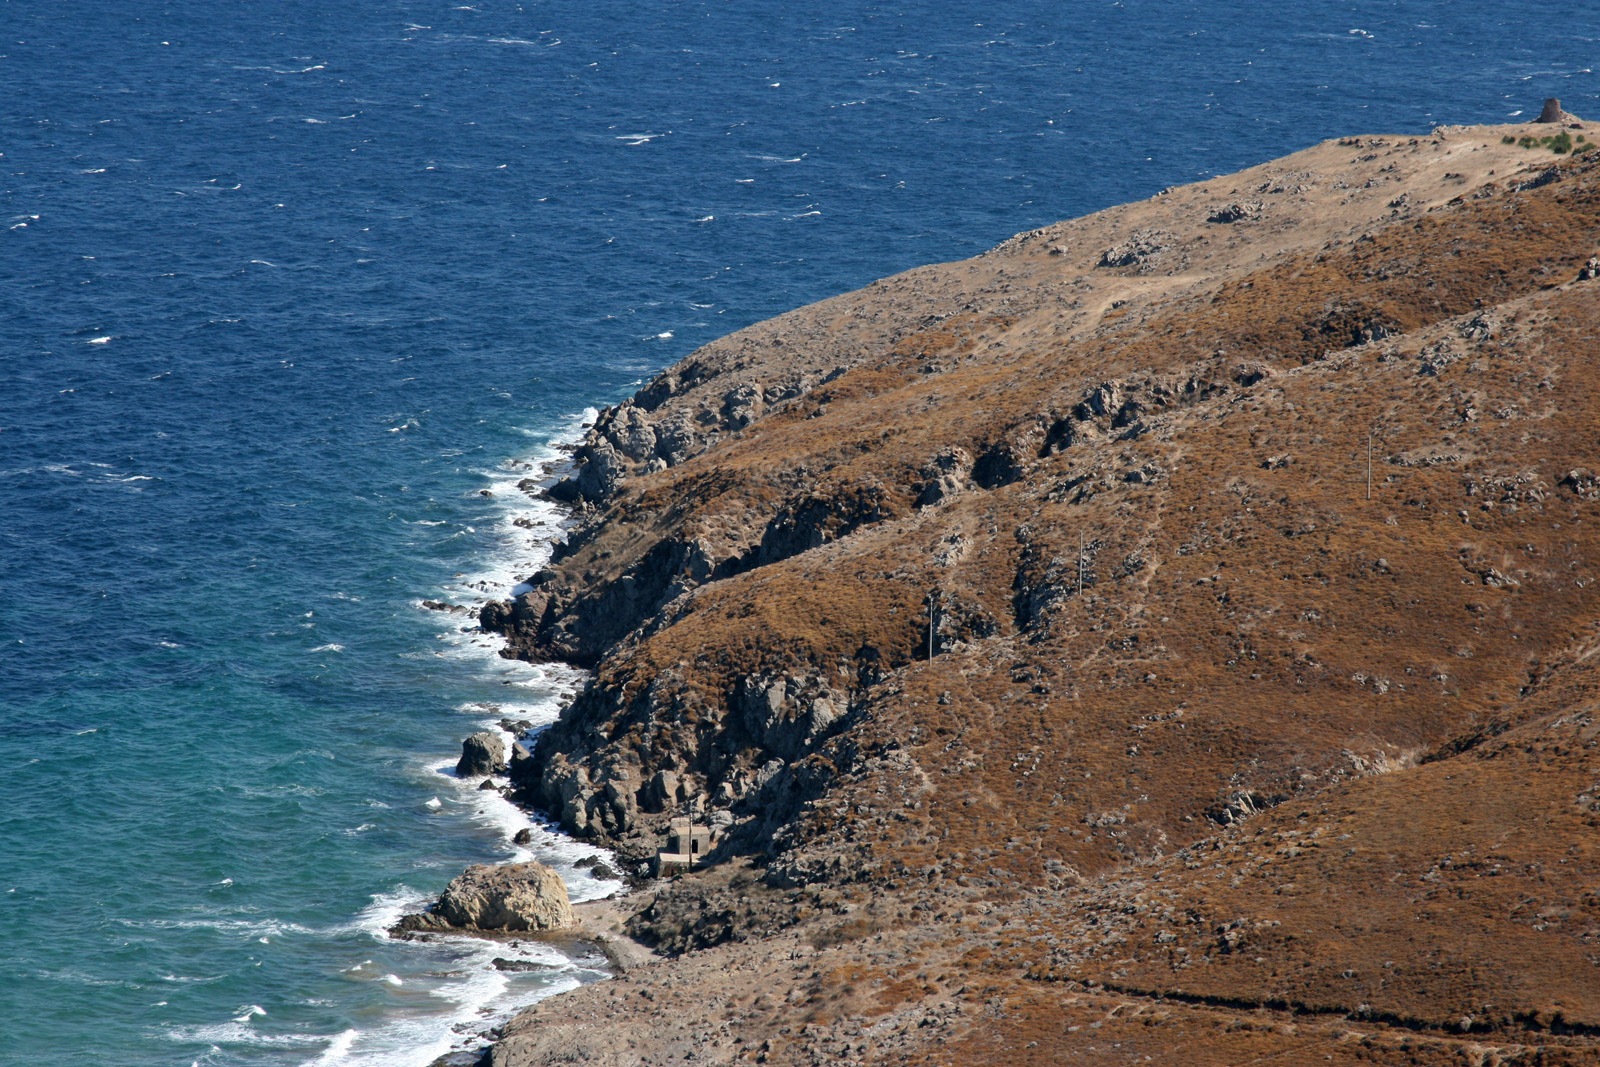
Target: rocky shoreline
x: 1168, y: 632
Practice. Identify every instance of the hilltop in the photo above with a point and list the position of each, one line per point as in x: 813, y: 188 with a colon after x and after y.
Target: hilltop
x: 1169, y: 634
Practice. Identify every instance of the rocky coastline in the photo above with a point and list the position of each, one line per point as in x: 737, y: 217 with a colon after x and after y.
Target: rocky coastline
x: 1170, y: 631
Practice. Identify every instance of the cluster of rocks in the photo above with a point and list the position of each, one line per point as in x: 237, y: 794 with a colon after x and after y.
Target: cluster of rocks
x: 1238, y: 211
x: 1140, y: 248
x: 740, y: 756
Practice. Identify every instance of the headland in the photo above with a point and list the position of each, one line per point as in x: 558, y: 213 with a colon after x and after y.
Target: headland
x: 1168, y: 636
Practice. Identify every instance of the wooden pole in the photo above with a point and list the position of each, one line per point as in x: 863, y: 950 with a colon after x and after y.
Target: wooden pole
x: 1369, y: 464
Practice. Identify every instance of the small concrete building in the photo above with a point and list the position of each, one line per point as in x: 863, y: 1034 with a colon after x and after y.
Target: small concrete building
x: 687, y: 846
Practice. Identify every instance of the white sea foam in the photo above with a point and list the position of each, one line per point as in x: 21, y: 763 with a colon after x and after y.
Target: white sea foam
x: 460, y: 992
x: 330, y: 647
x: 385, y: 910
x: 337, y: 1049
x: 250, y: 928
x: 79, y: 978
x: 467, y: 993
x: 236, y: 1032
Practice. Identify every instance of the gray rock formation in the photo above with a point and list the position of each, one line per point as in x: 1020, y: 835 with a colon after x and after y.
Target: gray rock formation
x: 1238, y: 211
x: 1140, y: 248
x: 947, y: 475
x: 481, y: 754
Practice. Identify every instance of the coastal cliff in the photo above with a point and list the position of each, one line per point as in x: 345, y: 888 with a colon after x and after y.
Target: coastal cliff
x: 1171, y: 630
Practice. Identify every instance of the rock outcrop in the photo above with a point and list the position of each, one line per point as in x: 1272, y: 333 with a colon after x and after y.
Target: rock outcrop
x: 482, y: 754
x: 509, y: 897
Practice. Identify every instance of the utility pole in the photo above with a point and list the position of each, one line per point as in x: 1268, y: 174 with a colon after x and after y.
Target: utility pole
x: 933, y: 619
x: 1369, y: 463
x: 1080, y: 561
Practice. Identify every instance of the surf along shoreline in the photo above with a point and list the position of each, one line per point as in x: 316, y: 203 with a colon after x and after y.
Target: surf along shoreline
x: 599, y: 929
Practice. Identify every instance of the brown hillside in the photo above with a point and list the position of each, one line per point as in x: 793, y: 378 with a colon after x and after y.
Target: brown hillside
x: 1254, y: 534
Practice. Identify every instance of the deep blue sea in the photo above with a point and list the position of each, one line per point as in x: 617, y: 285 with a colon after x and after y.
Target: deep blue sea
x: 292, y: 294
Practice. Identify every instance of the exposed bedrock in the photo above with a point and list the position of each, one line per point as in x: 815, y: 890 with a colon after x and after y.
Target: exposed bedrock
x: 579, y: 617
x: 735, y: 761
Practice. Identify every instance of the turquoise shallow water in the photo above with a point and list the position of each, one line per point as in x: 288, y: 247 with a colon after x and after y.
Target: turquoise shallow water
x: 286, y: 289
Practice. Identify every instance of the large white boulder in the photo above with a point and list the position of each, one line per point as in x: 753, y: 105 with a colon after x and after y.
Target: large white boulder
x: 512, y: 896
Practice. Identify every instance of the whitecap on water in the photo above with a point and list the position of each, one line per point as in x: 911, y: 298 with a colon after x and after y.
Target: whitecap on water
x: 238, y: 1031
x: 383, y: 912
x: 338, y: 1048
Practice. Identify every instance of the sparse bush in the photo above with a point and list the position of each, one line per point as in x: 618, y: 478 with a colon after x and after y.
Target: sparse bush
x: 1559, y: 143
